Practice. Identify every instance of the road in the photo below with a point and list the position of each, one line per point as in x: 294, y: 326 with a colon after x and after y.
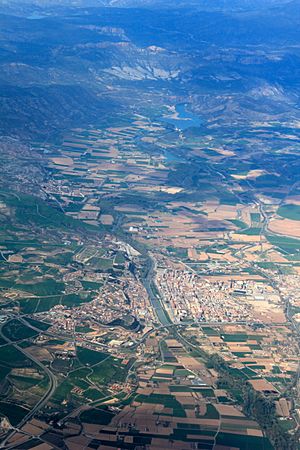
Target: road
x: 42, y: 402
x: 95, y: 403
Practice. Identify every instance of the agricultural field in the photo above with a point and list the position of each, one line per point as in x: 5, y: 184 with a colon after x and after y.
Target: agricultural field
x: 172, y: 403
x: 125, y: 245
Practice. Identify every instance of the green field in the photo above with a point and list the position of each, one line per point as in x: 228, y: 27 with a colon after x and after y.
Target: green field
x: 97, y: 416
x: 285, y: 244
x: 289, y: 211
x: 24, y: 382
x: 13, y: 412
x: 243, y: 442
x: 93, y: 394
x: 15, y: 330
x: 3, y: 372
x: 239, y: 223
x: 255, y: 217
x: 11, y: 357
x: 211, y: 412
x: 83, y: 329
x: 234, y: 337
x: 32, y: 210
x: 90, y: 357
x: 31, y: 305
x: 38, y: 324
x: 253, y: 231
x: 108, y: 371
x: 45, y: 288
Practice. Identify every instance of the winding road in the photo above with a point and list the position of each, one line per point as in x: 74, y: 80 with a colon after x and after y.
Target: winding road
x: 42, y: 402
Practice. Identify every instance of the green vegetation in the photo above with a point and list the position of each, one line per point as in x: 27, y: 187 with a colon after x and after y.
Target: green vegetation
x: 239, y: 223
x: 38, y: 324
x: 287, y: 424
x: 255, y: 217
x: 62, y: 258
x: 210, y: 331
x: 109, y: 370
x: 206, y: 392
x: 43, y: 289
x: 255, y: 404
x: 243, y: 442
x: 234, y: 337
x: 101, y: 263
x: 93, y: 394
x: 3, y: 372
x: 101, y: 416
x: 83, y: 329
x: 2, y: 341
x: 11, y: 357
x: 267, y: 265
x: 286, y: 244
x: 32, y: 210
x: 289, y: 211
x: 90, y: 357
x: 80, y: 383
x: 23, y: 382
x: 16, y: 330
x: 211, y: 412
x: 31, y: 305
x: 63, y: 392
x: 13, y: 412
x: 182, y: 373
x: 253, y: 231
x: 180, y: 388
x: 91, y: 285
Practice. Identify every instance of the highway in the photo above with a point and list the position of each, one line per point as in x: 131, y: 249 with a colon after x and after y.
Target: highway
x: 42, y: 402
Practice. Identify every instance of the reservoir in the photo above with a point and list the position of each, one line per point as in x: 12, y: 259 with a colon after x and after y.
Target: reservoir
x: 183, y: 119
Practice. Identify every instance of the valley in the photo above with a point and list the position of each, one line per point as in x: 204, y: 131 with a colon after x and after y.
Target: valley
x: 149, y: 241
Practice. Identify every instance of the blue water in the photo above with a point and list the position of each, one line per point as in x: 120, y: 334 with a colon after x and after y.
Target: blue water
x: 35, y: 16
x: 186, y: 119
